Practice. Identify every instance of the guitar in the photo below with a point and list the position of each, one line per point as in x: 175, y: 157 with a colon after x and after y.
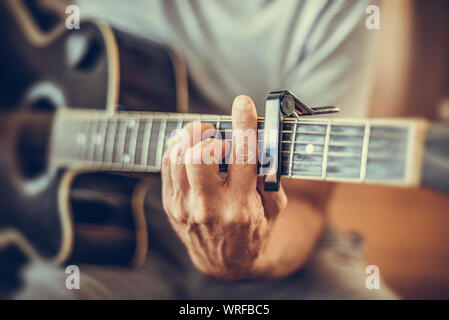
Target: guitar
x: 88, y: 216
x: 41, y: 216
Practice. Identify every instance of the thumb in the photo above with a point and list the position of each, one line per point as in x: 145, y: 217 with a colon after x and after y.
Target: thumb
x: 242, y: 170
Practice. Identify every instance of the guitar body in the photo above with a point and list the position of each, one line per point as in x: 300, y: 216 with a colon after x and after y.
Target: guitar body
x: 62, y: 215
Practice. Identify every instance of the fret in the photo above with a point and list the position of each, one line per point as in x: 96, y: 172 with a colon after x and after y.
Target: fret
x: 110, y: 139
x: 292, y: 149
x: 364, y: 160
x: 326, y: 150
x: 93, y: 128
x: 179, y: 126
x: 126, y: 157
x: 170, y: 131
x: 217, y: 124
x: 135, y: 126
x: 179, y: 123
x: 146, y: 143
x: 160, y: 143
x: 119, y: 142
x: 140, y: 133
x: 100, y: 141
x: 217, y: 127
x: 154, y: 143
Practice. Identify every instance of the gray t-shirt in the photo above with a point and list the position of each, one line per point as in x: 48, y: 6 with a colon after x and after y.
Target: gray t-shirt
x: 316, y: 48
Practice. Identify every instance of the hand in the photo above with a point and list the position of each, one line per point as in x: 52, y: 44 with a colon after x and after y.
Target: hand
x: 224, y: 222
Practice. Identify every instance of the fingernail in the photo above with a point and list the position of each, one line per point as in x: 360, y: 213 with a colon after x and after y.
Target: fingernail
x: 241, y: 103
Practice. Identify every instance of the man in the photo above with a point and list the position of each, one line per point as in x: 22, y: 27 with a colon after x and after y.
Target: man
x: 241, y: 242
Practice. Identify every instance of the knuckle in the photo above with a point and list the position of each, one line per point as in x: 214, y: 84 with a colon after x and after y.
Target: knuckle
x: 173, y: 205
x: 201, y: 217
x: 236, y: 217
x: 246, y: 120
x: 203, y: 208
x: 178, y: 198
x: 191, y: 156
x: 176, y: 155
x: 175, y: 211
x: 180, y: 215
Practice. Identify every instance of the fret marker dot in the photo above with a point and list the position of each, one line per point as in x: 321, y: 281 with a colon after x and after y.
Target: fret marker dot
x: 126, y: 158
x: 131, y: 123
x: 309, y: 148
x: 98, y: 139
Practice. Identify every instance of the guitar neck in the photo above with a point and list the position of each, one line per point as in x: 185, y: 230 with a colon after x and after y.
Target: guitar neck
x: 371, y: 151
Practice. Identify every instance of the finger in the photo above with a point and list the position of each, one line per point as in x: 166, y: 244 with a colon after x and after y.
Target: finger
x: 202, y: 165
x: 175, y: 152
x: 167, y: 185
x: 190, y: 135
x: 273, y: 202
x: 170, y: 193
x: 242, y: 170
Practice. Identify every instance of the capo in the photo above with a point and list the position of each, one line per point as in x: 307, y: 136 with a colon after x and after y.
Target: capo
x: 280, y: 104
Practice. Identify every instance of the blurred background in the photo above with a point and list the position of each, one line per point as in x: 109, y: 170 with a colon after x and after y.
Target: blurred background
x: 406, y: 232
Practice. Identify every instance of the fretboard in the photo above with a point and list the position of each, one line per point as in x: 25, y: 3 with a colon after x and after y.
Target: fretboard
x: 377, y: 151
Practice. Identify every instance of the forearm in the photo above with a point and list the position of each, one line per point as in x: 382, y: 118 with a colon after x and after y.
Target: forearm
x: 296, y: 230
x: 293, y: 238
